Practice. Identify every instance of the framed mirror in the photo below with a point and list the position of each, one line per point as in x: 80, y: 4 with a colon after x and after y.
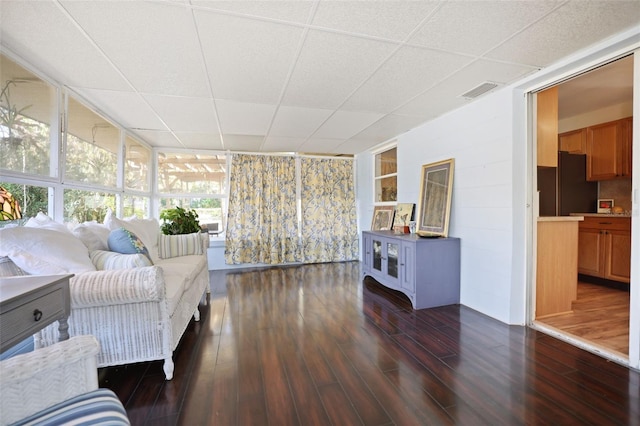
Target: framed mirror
x: 436, y: 184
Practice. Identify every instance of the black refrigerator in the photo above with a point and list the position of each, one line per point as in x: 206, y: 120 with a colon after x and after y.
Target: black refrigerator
x: 565, y: 189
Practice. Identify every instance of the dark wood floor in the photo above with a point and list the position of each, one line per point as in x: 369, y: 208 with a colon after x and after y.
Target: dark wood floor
x: 317, y: 345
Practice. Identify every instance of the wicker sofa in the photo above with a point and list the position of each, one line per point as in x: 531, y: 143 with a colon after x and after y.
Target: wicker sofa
x: 136, y: 312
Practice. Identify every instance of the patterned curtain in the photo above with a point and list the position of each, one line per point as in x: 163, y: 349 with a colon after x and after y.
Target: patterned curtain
x: 329, y: 227
x: 262, y: 225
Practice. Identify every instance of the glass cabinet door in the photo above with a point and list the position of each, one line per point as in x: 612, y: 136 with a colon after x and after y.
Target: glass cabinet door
x: 377, y: 255
x: 392, y: 259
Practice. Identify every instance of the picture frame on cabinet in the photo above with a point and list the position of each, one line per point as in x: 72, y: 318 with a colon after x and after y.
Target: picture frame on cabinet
x: 402, y: 217
x: 434, y: 207
x: 382, y: 218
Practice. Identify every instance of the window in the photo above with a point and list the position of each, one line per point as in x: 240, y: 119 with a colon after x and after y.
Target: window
x: 81, y: 206
x: 133, y: 205
x: 386, y: 173
x: 137, y: 164
x: 28, y: 111
x: 92, y: 147
x: 194, y: 181
x: 182, y: 173
x: 32, y: 199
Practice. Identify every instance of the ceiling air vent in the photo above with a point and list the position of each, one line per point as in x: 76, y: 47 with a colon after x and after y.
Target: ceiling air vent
x: 479, y: 90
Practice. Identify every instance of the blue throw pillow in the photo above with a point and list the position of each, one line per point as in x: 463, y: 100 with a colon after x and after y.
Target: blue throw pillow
x: 124, y: 241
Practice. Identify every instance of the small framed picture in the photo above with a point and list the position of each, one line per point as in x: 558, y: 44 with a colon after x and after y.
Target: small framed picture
x: 403, y: 217
x: 605, y: 205
x: 382, y: 218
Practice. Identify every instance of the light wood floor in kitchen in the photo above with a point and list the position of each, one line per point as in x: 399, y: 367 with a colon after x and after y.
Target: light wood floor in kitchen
x: 600, y: 315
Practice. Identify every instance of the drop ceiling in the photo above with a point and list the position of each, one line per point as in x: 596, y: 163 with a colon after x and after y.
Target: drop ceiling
x: 335, y: 77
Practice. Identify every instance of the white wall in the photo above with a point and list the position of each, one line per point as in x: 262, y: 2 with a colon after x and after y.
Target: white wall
x: 479, y: 138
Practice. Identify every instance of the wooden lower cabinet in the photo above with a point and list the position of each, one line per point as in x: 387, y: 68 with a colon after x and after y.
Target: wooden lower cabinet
x: 604, y: 248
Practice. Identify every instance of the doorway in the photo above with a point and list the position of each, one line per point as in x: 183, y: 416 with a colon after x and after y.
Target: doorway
x: 594, y: 118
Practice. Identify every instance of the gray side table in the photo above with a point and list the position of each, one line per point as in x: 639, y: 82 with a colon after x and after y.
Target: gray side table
x: 30, y: 303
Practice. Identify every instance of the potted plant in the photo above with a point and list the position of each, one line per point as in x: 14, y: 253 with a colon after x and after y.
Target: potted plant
x: 179, y: 221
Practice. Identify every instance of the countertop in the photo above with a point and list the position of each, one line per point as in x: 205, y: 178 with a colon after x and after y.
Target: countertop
x: 572, y: 218
x: 602, y: 214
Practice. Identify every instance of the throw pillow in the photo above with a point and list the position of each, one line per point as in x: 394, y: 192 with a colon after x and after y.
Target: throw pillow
x: 94, y: 235
x: 179, y: 245
x: 123, y: 241
x: 108, y: 260
x: 43, y: 221
x: 146, y: 229
x: 42, y: 251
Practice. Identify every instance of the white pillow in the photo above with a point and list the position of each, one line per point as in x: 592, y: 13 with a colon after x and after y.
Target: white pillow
x: 148, y: 230
x: 43, y: 221
x: 94, y: 235
x: 108, y: 260
x: 44, y: 251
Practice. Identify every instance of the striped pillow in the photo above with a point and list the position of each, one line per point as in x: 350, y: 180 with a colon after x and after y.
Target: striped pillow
x: 98, y: 407
x: 179, y: 245
x: 107, y: 260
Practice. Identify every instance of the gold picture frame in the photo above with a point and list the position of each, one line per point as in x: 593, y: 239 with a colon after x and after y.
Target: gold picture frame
x: 382, y: 218
x: 434, y: 208
x: 402, y: 217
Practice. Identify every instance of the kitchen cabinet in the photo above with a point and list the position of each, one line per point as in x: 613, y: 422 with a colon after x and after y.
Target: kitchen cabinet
x: 547, y: 127
x: 609, y: 150
x: 426, y: 270
x: 573, y: 142
x: 604, y: 247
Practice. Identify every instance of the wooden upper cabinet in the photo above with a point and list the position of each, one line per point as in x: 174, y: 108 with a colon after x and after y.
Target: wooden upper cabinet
x: 547, y: 127
x: 609, y: 150
x: 574, y: 142
x: 625, y: 147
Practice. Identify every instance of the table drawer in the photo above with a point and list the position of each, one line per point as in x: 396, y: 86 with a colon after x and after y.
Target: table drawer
x: 22, y: 318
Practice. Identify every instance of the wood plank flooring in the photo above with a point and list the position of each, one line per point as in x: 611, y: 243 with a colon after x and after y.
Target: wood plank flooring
x: 600, y: 316
x: 317, y: 345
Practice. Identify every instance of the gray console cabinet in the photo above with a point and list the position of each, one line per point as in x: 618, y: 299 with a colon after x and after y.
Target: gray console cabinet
x: 427, y: 270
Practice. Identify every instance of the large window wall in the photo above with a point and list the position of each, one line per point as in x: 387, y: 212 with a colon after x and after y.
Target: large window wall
x: 62, y: 158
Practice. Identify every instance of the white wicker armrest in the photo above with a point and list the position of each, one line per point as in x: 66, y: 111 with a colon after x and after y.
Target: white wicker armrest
x: 116, y: 287
x: 36, y: 380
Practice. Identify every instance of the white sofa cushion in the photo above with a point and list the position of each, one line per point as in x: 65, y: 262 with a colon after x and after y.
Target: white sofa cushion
x: 179, y: 273
x: 43, y: 221
x: 43, y: 251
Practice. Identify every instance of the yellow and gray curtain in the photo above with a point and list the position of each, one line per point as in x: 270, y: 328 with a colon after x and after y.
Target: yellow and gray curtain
x: 263, y: 224
x: 329, y: 227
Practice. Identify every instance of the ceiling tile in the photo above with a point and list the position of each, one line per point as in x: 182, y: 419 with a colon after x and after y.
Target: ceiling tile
x: 282, y: 144
x: 391, y: 20
x: 127, y: 108
x: 320, y: 145
x: 37, y: 30
x: 185, y: 114
x: 353, y: 146
x: 475, y: 27
x: 576, y: 25
x: 387, y: 128
x: 159, y: 139
x: 243, y: 142
x: 298, y: 122
x: 411, y: 70
x: 248, y: 60
x: 330, y: 67
x: 241, y: 118
x: 344, y: 124
x: 154, y: 44
x: 197, y: 140
x: 296, y: 11
x: 446, y: 95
